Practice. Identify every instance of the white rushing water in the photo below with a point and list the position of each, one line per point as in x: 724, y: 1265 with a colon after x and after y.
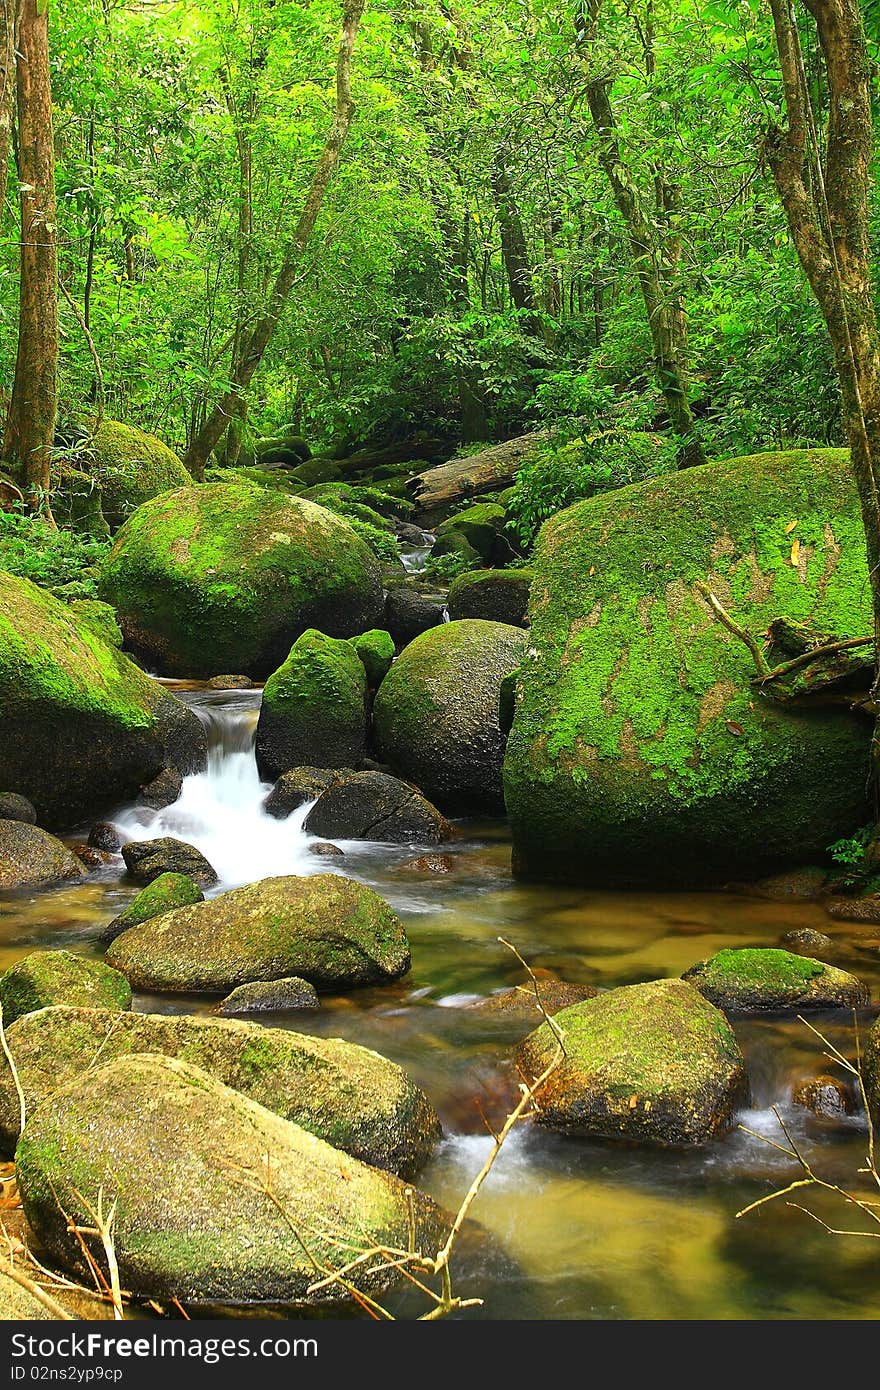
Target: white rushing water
x: 414, y: 558
x: 220, y: 810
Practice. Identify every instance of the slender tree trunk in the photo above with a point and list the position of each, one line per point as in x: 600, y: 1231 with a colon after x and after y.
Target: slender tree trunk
x: 514, y: 250
x: 30, y: 425
x: 260, y: 335
x: 7, y: 92
x: 825, y: 196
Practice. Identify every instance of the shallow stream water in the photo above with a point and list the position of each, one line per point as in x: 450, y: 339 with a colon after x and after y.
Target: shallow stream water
x: 580, y: 1229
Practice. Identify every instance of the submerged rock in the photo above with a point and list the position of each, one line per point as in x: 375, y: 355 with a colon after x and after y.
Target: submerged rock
x: 334, y: 932
x: 226, y: 576
x: 230, y: 683
x: 83, y: 727
x: 374, y: 806
x: 348, y: 1095
x: 655, y: 1063
x: 104, y: 836
x: 325, y: 849
x: 866, y: 909
x: 314, y: 708
x: 519, y: 1003
x: 825, y: 1096
x: 60, y: 977
x: 32, y: 858
x: 773, y: 981
x: 269, y: 996
x: 640, y: 752
x: 148, y: 859
x: 163, y: 894
x: 804, y: 941
x: 15, y: 807
x: 437, y: 712
x: 218, y: 1199
x: 294, y: 788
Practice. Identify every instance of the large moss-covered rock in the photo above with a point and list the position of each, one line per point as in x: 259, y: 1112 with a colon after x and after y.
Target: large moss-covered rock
x: 502, y: 596
x: 481, y: 525
x: 83, y: 727
x: 163, y: 894
x: 640, y: 751
x: 376, y: 651
x: 314, y: 710
x: 354, y: 1098
x: 437, y: 712
x: 655, y: 1062
x: 767, y: 980
x: 32, y: 858
x: 332, y: 931
x: 76, y: 501
x: 217, y: 1199
x: 59, y: 977
x: 225, y: 577
x: 131, y: 467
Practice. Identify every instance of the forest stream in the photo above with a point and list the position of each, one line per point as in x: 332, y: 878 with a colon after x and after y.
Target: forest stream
x: 580, y: 1228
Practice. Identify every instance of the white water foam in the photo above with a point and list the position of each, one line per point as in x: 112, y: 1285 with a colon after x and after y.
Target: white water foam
x: 220, y: 810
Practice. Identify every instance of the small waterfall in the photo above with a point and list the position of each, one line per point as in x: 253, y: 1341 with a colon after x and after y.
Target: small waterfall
x: 220, y: 810
x: 414, y: 558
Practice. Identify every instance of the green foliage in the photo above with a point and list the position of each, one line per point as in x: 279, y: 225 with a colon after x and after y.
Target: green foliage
x: 571, y: 472
x: 64, y: 562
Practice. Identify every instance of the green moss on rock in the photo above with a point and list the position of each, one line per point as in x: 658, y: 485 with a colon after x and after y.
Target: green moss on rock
x: 501, y: 596
x: 437, y: 712
x: 60, y: 977
x: 226, y: 576
x: 350, y: 1096
x: 376, y: 651
x: 758, y: 980
x: 314, y: 708
x: 186, y: 1160
x: 77, y: 502
x: 640, y: 751
x: 655, y: 1063
x: 131, y: 467
x: 100, y: 617
x: 333, y: 932
x: 167, y: 891
x: 83, y: 726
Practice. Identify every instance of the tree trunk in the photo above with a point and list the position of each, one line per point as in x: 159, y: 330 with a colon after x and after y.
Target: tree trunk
x: 260, y: 335
x: 513, y: 241
x: 7, y: 92
x: 826, y: 204
x: 653, y: 267
x: 30, y: 425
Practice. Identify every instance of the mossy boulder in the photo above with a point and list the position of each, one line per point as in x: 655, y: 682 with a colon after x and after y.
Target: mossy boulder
x: 374, y: 806
x: 32, y: 858
x: 226, y: 576
x: 655, y: 1063
x: 100, y: 617
x: 410, y: 610
x: 481, y: 525
x: 217, y: 1198
x: 376, y: 651
x: 314, y: 710
x: 167, y: 891
x: 15, y: 807
x: 640, y: 751
x: 437, y: 712
x: 768, y: 980
x: 147, y: 860
x: 871, y: 1071
x: 350, y: 1096
x: 294, y: 788
x: 83, y: 727
x: 77, y: 502
x: 455, y: 543
x: 59, y: 977
x: 131, y: 467
x: 502, y: 596
x: 332, y: 931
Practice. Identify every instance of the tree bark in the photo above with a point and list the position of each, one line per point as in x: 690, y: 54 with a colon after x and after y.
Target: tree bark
x: 7, y: 92
x: 260, y: 335
x: 655, y: 273
x: 514, y: 250
x: 825, y: 196
x: 30, y: 425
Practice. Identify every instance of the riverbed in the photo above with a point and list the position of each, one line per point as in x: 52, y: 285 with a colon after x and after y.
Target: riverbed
x: 578, y: 1229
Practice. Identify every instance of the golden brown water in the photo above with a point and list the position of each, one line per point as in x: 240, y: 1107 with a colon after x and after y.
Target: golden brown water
x: 581, y: 1229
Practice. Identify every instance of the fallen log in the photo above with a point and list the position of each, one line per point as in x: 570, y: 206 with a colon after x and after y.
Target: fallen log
x: 438, y: 490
